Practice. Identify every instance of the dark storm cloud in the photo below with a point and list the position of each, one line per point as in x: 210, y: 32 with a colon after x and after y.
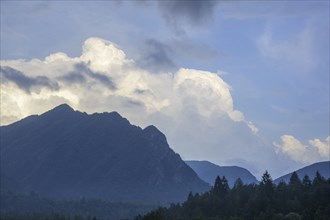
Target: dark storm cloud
x: 82, y: 69
x: 155, y: 56
x: 194, y: 12
x: 24, y: 82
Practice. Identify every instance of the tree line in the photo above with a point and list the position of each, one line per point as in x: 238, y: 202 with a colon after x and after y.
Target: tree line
x: 16, y: 206
x: 297, y: 199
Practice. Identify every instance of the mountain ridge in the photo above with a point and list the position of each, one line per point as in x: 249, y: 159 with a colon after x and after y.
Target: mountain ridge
x: 208, y: 171
x: 67, y: 153
x: 322, y: 167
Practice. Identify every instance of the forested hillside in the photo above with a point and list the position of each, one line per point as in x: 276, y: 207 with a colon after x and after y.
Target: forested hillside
x: 299, y: 199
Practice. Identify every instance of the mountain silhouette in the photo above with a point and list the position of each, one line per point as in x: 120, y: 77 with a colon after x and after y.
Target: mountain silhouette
x: 65, y: 153
x: 208, y: 172
x: 322, y: 167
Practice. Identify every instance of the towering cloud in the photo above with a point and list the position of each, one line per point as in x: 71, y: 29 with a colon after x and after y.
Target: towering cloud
x: 103, y: 71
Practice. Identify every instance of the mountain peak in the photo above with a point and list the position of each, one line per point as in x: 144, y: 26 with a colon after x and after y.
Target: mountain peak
x: 115, y: 114
x: 151, y: 129
x: 63, y: 107
x: 61, y: 110
x: 152, y: 132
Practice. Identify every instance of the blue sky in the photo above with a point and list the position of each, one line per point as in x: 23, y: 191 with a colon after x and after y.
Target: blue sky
x: 272, y: 58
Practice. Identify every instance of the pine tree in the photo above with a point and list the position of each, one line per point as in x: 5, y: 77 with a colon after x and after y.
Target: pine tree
x: 294, y: 179
x: 266, y: 184
x: 220, y: 186
x: 307, y: 183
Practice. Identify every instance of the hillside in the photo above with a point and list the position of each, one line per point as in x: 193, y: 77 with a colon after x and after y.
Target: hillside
x: 69, y: 154
x: 322, y: 167
x: 208, y: 172
x: 264, y: 201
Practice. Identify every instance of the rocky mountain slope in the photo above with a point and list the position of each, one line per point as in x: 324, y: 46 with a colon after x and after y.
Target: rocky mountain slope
x: 69, y: 154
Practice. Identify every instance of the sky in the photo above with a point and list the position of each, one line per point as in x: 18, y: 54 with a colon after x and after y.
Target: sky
x: 241, y: 83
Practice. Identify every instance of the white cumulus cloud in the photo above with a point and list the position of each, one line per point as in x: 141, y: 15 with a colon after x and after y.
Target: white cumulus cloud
x: 323, y: 147
x: 104, y: 62
x: 314, y: 151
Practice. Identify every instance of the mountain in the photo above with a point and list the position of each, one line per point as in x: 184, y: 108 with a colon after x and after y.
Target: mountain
x: 322, y: 167
x: 208, y: 171
x: 69, y: 154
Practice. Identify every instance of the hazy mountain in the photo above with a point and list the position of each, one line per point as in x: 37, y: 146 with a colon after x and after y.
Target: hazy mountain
x: 208, y: 171
x: 322, y: 167
x: 68, y: 154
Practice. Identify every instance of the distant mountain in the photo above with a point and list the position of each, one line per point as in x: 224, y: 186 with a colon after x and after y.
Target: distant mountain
x: 69, y: 154
x: 322, y: 167
x: 208, y: 171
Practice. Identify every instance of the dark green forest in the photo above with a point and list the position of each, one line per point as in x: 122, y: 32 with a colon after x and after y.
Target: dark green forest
x: 299, y: 199
x: 34, y: 207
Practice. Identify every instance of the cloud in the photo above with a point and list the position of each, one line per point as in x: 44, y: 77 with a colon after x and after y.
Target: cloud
x: 193, y: 12
x: 208, y: 93
x: 103, y: 56
x: 28, y: 84
x: 314, y: 151
x: 82, y: 69
x: 155, y: 57
x: 322, y: 147
x: 74, y: 77
x: 194, y: 108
